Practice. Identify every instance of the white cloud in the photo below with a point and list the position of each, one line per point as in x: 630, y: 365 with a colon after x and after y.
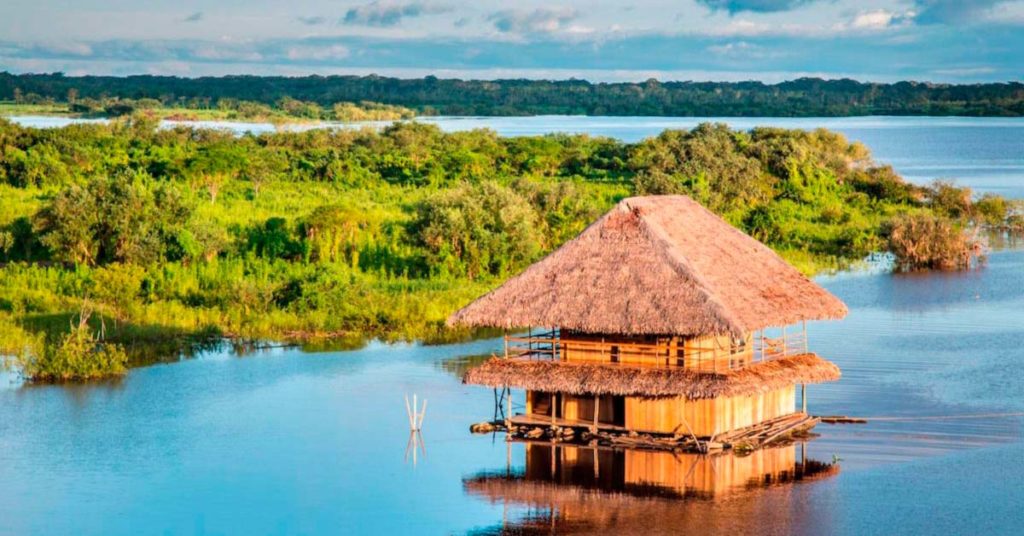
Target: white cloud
x: 311, y: 21
x: 879, y: 19
x: 740, y: 50
x: 1006, y: 13
x: 317, y: 53
x: 964, y: 72
x: 220, y: 53
x: 538, y: 21
x: 67, y: 48
x: 389, y: 14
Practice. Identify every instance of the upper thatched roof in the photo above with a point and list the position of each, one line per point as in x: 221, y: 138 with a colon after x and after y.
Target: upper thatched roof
x: 580, y: 378
x: 656, y: 265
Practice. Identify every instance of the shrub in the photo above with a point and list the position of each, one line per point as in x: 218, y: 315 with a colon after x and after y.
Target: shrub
x: 992, y: 209
x: 78, y: 356
x: 924, y: 241
x: 948, y: 199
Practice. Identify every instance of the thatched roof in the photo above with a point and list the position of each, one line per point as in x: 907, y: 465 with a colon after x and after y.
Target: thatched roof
x: 625, y: 380
x: 656, y: 265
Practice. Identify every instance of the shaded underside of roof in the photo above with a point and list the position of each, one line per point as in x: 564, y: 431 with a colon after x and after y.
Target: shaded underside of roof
x: 637, y: 380
x: 656, y: 265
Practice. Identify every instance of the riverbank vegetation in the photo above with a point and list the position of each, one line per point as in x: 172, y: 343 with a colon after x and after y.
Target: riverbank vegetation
x: 178, y: 236
x: 284, y: 110
x: 805, y: 97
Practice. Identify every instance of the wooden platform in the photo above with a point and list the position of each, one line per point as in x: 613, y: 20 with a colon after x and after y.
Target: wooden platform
x: 533, y: 428
x: 540, y: 420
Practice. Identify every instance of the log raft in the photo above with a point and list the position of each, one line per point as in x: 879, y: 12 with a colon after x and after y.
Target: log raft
x: 775, y: 431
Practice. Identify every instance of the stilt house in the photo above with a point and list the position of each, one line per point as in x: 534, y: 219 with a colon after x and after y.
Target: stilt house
x: 659, y: 318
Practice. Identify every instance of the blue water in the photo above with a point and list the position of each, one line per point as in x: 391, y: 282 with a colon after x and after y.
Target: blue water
x: 290, y: 442
x: 285, y: 441
x: 986, y: 154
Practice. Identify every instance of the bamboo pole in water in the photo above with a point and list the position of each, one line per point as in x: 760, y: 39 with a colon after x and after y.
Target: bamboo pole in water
x: 508, y: 414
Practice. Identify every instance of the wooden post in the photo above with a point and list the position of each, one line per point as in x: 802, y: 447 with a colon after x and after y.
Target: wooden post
x: 803, y: 397
x: 805, y: 336
x: 506, y: 344
x: 597, y: 411
x: 508, y: 415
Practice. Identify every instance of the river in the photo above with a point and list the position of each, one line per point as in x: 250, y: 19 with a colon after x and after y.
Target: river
x: 289, y: 441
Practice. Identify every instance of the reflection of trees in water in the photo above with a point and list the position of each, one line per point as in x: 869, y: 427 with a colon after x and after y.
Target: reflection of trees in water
x: 588, y: 490
x: 458, y: 366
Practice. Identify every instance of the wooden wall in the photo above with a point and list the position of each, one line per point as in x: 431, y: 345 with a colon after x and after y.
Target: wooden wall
x: 571, y: 407
x: 707, y: 417
x: 705, y: 353
x: 582, y: 409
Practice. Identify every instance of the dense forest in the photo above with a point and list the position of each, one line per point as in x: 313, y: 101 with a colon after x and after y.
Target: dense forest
x: 805, y: 97
x: 285, y: 110
x: 151, y: 238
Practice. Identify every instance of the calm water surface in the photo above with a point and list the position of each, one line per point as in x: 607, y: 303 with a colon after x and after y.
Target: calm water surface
x: 291, y: 442
x: 986, y: 154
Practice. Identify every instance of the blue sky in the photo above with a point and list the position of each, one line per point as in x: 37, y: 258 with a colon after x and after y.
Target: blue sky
x: 769, y: 40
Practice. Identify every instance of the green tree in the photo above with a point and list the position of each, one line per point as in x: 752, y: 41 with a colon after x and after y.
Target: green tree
x: 479, y: 230
x: 125, y: 219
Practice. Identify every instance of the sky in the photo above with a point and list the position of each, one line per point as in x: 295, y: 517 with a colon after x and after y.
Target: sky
x: 631, y: 40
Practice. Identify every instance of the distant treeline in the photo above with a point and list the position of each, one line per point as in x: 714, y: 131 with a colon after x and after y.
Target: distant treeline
x: 804, y: 97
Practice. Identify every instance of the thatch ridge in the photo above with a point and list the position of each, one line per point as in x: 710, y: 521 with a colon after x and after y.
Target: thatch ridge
x: 637, y: 380
x: 653, y: 266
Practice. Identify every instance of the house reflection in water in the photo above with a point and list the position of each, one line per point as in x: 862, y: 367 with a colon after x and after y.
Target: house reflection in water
x: 584, y: 489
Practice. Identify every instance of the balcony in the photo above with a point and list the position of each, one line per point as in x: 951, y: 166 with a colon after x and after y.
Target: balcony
x: 704, y: 354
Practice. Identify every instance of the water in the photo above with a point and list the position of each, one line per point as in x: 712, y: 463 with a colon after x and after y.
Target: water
x: 986, y: 154
x: 284, y: 441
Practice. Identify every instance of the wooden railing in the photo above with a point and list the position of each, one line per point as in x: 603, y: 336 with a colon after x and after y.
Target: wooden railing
x: 754, y: 349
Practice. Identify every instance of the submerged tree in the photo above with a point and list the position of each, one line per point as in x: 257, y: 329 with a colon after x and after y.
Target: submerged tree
x: 924, y: 241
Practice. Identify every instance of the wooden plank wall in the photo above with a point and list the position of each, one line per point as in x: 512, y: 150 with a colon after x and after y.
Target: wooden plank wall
x: 667, y: 415
x: 703, y: 353
x: 707, y: 417
x: 582, y: 408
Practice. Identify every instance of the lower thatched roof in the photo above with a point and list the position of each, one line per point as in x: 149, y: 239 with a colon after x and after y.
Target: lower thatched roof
x: 626, y: 380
